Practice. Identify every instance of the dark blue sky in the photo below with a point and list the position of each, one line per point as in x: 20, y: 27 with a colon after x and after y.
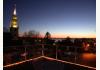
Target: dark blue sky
x: 59, y: 17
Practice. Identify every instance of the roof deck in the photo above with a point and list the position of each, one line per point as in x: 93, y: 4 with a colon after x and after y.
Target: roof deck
x: 46, y: 63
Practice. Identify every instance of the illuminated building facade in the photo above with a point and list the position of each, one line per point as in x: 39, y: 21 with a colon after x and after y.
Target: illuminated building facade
x: 14, y: 24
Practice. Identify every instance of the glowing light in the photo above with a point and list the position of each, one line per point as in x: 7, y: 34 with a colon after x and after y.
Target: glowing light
x: 14, y: 26
x: 14, y: 23
x: 86, y: 46
x: 14, y: 13
x: 14, y: 17
x: 88, y: 56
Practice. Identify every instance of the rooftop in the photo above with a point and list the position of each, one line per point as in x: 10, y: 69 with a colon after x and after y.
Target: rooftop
x: 46, y: 63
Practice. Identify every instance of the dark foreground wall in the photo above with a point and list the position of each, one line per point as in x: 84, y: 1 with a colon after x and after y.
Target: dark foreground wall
x: 45, y: 64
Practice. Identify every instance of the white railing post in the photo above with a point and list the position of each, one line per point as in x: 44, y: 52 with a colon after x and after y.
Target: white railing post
x: 56, y: 52
x: 25, y: 53
x: 42, y: 50
x: 75, y: 53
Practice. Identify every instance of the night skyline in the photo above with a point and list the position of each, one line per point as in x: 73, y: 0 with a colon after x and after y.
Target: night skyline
x: 61, y: 18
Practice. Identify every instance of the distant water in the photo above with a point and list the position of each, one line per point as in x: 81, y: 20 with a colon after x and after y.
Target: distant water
x: 60, y: 39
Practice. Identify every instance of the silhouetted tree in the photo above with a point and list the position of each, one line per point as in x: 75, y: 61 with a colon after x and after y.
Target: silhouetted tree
x: 47, y: 38
x: 47, y: 35
x: 31, y: 37
x: 31, y: 33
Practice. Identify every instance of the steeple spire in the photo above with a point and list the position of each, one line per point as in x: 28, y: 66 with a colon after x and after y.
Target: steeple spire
x: 14, y: 12
x: 14, y: 18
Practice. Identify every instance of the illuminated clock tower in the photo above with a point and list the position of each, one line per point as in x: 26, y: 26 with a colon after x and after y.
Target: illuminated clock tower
x: 14, y: 24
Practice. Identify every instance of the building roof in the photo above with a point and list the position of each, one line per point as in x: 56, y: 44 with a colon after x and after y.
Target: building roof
x: 46, y: 63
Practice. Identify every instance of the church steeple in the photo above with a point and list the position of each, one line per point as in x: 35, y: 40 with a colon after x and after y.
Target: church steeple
x: 14, y: 24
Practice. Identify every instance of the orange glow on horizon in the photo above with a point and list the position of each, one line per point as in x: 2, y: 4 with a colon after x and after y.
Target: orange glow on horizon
x: 66, y: 35
x: 74, y: 35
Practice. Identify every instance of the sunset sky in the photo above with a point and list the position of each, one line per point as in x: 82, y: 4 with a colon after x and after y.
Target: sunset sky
x: 62, y: 18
